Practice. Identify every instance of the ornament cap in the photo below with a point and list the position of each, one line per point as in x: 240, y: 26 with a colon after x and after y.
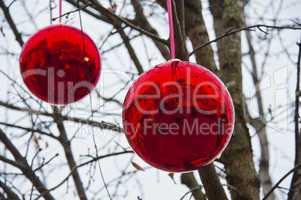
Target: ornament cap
x: 175, y: 60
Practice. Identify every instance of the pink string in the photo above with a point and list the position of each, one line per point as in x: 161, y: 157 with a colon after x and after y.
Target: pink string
x: 60, y: 10
x: 171, y: 29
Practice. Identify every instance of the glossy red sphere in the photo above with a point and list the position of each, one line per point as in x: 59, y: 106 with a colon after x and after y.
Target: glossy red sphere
x: 178, y: 116
x: 60, y: 64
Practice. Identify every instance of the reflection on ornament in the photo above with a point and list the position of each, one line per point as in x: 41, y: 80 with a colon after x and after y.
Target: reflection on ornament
x: 60, y: 64
x: 178, y: 116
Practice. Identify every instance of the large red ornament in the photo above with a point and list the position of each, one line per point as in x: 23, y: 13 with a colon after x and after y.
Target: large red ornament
x: 178, y: 116
x: 60, y: 64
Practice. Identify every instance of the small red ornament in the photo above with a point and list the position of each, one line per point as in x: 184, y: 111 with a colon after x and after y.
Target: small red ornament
x: 60, y: 64
x: 178, y: 116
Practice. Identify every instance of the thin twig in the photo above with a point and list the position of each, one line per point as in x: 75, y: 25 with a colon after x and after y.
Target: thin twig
x: 24, y: 167
x: 280, y: 181
x: 99, y: 124
x: 248, y: 28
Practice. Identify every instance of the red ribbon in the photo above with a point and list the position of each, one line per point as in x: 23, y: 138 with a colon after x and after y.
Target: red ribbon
x: 171, y: 29
x: 60, y: 10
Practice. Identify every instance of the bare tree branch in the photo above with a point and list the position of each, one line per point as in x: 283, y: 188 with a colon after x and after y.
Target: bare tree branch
x: 66, y: 144
x: 212, y: 184
x: 142, y: 21
x: 26, y: 169
x: 248, y: 28
x: 280, y: 181
x: 11, y: 195
x: 97, y: 6
x: 11, y: 23
x: 189, y: 180
x: 100, y: 124
x: 264, y: 174
x: 295, y: 189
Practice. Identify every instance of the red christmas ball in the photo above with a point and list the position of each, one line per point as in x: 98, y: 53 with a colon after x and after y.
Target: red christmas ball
x: 178, y: 116
x: 60, y: 64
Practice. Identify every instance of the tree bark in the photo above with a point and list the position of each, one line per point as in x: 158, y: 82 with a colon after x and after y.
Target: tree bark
x: 295, y: 187
x: 212, y: 184
x: 238, y: 157
x: 189, y: 180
